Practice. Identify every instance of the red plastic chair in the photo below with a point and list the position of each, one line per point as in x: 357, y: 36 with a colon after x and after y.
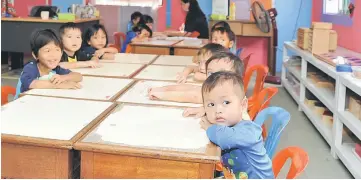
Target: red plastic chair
x: 5, y: 92
x: 119, y: 38
x: 299, y: 161
x: 194, y: 34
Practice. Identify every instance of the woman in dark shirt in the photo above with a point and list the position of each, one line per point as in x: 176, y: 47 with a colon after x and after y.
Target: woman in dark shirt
x: 195, y: 19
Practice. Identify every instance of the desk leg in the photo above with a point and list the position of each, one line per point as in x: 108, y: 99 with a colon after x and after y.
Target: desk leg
x: 4, y: 57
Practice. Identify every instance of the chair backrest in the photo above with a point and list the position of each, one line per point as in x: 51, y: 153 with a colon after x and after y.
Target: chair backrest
x: 261, y: 72
x: 246, y: 61
x: 119, y: 38
x: 280, y: 118
x: 262, y: 101
x: 195, y: 34
x: 5, y: 92
x: 299, y: 161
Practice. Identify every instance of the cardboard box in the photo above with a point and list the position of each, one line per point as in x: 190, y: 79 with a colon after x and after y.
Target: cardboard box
x: 320, y: 41
x: 303, y: 38
x: 321, y: 25
x: 354, y: 106
x: 333, y: 41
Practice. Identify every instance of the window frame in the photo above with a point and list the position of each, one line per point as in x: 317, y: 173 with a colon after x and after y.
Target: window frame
x: 339, y: 19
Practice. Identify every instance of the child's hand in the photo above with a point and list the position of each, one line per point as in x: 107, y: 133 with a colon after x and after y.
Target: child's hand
x: 99, y: 52
x: 69, y: 85
x: 153, y: 95
x: 57, y: 79
x: 93, y: 64
x: 181, y: 78
x: 205, y: 124
x: 197, y: 112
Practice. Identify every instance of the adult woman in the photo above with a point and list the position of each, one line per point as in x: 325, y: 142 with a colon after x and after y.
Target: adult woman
x: 195, y: 19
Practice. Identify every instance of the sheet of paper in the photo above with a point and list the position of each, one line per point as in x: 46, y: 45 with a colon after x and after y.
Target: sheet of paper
x: 175, y: 60
x: 111, y: 69
x: 94, y: 88
x: 158, y: 42
x: 157, y: 72
x: 50, y: 118
x: 220, y: 7
x: 139, y: 94
x: 132, y: 58
x: 153, y: 127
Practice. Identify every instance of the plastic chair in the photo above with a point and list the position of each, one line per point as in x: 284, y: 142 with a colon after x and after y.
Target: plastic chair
x: 5, y: 92
x: 119, y: 38
x: 280, y: 118
x: 261, y: 72
x: 299, y: 161
x: 246, y: 61
x: 194, y: 34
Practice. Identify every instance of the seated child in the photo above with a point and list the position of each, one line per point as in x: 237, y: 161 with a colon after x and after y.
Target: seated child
x: 221, y: 61
x: 44, y: 72
x: 70, y: 35
x: 243, y: 152
x: 220, y: 24
x: 224, y: 37
x: 135, y: 18
x: 140, y: 33
x: 95, y: 43
x: 148, y: 20
x: 200, y: 71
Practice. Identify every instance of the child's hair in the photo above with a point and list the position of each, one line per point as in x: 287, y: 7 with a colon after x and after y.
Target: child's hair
x: 147, y: 19
x: 93, y: 30
x: 230, y: 33
x: 140, y: 27
x: 220, y: 24
x: 220, y: 77
x: 68, y: 25
x: 135, y: 15
x: 238, y: 66
x: 40, y: 38
x: 212, y: 48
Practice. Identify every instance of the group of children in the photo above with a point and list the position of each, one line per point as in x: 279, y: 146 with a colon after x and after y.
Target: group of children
x: 224, y: 112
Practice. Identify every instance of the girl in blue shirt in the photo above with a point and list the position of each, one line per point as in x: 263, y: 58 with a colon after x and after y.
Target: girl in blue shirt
x: 140, y: 33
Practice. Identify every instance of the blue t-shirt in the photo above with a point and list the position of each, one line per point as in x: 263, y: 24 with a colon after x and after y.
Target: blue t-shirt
x: 243, y: 151
x: 129, y: 26
x: 88, y: 51
x: 31, y: 73
x: 130, y: 35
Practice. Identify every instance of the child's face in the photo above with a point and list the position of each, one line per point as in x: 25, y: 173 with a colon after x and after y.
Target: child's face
x: 98, y: 40
x: 202, y: 61
x: 219, y: 65
x: 144, y: 34
x: 225, y: 104
x: 136, y: 20
x: 222, y: 39
x: 150, y: 25
x: 72, y: 39
x: 50, y: 55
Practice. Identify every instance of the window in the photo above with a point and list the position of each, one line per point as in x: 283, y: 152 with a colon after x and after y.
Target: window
x: 336, y: 7
x: 141, y: 3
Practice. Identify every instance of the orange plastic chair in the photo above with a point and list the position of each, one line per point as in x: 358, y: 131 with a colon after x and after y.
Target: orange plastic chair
x: 261, y: 72
x: 5, y: 92
x: 119, y: 37
x: 299, y: 161
x: 194, y: 34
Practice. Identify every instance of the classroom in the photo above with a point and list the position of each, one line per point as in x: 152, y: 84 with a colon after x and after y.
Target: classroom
x: 180, y: 89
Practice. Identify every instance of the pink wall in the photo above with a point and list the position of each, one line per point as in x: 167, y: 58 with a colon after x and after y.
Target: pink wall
x: 258, y: 47
x: 178, y: 16
x: 348, y: 37
x: 23, y: 7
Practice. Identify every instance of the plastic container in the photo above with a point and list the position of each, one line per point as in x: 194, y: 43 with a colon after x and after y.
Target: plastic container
x: 66, y: 16
x: 232, y: 11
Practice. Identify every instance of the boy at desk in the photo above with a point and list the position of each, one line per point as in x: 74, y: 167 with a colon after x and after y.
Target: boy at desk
x: 73, y: 57
x: 243, y: 153
x: 45, y: 72
x: 224, y: 37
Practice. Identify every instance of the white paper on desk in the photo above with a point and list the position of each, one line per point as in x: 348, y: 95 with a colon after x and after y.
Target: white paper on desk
x: 220, y: 7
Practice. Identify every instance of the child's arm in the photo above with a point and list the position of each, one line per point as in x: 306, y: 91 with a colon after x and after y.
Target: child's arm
x: 108, y: 56
x: 182, y: 77
x: 73, y: 76
x: 110, y: 50
x: 197, y: 112
x: 198, y: 76
x: 190, y: 96
x: 45, y: 84
x: 81, y: 64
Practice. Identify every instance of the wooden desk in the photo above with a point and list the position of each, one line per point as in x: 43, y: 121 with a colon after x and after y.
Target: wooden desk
x: 112, y: 149
x: 174, y: 60
x: 189, y: 47
x: 159, y: 47
x: 93, y: 88
x: 38, y: 133
x: 162, y: 73
x: 250, y: 29
x: 138, y: 94
x: 132, y: 58
x: 16, y: 32
x: 114, y: 70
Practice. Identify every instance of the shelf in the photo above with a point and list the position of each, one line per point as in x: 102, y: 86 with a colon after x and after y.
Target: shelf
x: 317, y: 122
x: 328, y: 69
x: 324, y: 95
x: 351, y: 122
x: 349, y: 159
x: 350, y: 82
x: 290, y: 90
x: 294, y: 71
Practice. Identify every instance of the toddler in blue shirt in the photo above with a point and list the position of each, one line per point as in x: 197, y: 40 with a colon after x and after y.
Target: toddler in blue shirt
x: 243, y: 153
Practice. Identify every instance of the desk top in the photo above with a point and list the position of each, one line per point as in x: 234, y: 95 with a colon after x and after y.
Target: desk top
x: 151, y: 131
x: 162, y: 72
x: 192, y: 43
x: 38, y: 19
x: 116, y: 70
x: 158, y: 43
x: 239, y: 21
x: 132, y: 58
x: 93, y: 88
x: 52, y: 119
x: 174, y: 60
x: 138, y: 94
